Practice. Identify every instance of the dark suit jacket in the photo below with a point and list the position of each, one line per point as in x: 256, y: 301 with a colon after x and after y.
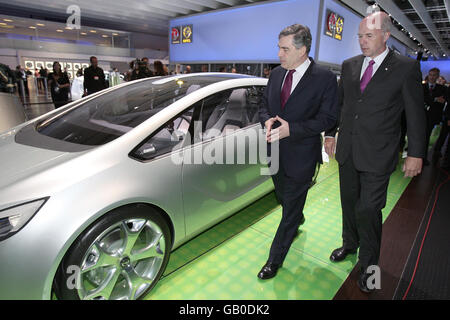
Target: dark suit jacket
x: 311, y: 109
x: 370, y: 122
x: 434, y: 114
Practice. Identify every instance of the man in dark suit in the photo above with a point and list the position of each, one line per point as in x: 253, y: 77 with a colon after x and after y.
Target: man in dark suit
x: 435, y: 96
x: 374, y: 89
x: 299, y: 103
x: 94, y: 78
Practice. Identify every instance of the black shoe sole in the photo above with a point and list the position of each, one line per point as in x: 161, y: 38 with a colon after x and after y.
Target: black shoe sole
x: 339, y: 260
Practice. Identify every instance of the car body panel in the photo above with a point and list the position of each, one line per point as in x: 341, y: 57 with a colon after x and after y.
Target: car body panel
x: 83, y: 186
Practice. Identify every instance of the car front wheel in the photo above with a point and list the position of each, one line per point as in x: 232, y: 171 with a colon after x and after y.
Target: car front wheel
x: 120, y: 257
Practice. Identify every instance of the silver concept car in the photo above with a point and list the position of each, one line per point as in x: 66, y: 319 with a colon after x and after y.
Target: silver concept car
x: 95, y: 195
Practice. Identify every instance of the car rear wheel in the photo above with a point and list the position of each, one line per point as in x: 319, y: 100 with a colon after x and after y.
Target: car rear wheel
x: 120, y: 257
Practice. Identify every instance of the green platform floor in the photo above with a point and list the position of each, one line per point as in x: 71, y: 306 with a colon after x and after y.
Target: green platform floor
x: 222, y: 263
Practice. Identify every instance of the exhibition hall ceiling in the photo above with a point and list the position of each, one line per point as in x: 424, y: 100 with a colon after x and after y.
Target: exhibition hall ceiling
x: 148, y: 16
x: 426, y: 22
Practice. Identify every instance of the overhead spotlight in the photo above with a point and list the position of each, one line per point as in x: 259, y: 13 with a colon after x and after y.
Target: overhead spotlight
x: 83, y: 33
x: 59, y: 30
x: 40, y: 24
x: 8, y: 20
x: 32, y: 27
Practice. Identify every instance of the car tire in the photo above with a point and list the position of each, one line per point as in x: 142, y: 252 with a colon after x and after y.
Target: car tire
x: 109, y: 242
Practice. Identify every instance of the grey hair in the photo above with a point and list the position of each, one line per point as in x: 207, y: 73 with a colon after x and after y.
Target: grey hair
x: 302, y: 36
x: 386, y: 24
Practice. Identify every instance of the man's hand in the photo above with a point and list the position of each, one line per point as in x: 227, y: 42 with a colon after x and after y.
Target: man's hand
x: 268, y: 124
x: 440, y: 99
x: 412, y: 166
x: 330, y: 146
x: 280, y: 132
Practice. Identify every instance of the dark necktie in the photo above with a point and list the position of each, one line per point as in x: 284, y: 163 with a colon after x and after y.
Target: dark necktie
x: 286, y: 90
x: 366, y: 76
x: 431, y: 88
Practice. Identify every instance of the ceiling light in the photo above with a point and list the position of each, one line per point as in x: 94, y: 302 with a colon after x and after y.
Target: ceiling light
x: 104, y: 36
x: 40, y: 24
x: 7, y: 20
x: 32, y: 27
x: 68, y: 28
x: 59, y: 30
x: 115, y: 34
x: 93, y: 31
x: 2, y: 24
x: 83, y: 33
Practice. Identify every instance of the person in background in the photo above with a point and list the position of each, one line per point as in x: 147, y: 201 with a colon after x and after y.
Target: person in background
x: 445, y: 130
x: 233, y: 70
x: 7, y: 79
x: 188, y: 69
x: 21, y: 75
x: 159, y: 69
x: 140, y: 71
x: 94, y: 78
x: 441, y: 80
x: 77, y: 88
x: 59, y: 85
x: 434, y: 98
x: 204, y: 68
x: 222, y: 69
x: 148, y: 73
x: 43, y: 72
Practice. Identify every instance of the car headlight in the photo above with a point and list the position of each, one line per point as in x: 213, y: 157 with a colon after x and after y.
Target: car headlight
x: 15, y: 218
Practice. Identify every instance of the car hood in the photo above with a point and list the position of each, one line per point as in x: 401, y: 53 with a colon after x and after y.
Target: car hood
x: 21, y: 161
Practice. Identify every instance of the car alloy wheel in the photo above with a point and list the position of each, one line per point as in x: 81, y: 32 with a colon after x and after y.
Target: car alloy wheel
x: 120, y: 257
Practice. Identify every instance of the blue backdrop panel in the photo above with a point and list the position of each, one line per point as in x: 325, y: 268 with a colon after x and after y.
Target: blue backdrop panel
x: 243, y: 34
x: 336, y: 51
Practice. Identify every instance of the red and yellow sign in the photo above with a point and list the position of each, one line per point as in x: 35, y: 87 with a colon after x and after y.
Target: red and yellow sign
x: 334, y: 25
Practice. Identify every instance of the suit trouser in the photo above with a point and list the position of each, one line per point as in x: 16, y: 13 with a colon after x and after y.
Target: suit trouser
x: 363, y: 195
x: 292, y: 195
x: 442, y: 136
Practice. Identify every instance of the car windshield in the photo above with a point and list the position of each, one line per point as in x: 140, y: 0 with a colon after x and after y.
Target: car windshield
x: 111, y: 115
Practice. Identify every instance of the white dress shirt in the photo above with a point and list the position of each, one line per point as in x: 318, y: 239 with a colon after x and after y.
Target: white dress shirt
x: 298, y: 74
x: 378, y: 61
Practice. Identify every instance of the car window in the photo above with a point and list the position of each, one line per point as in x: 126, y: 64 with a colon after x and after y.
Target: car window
x: 172, y: 136
x: 230, y: 110
x: 113, y: 114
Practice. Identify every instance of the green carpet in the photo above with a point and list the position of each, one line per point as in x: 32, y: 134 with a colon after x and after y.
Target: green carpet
x: 222, y: 263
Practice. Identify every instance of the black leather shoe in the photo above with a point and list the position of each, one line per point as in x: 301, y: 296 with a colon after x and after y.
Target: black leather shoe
x: 362, y: 282
x: 268, y: 271
x: 339, y: 254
